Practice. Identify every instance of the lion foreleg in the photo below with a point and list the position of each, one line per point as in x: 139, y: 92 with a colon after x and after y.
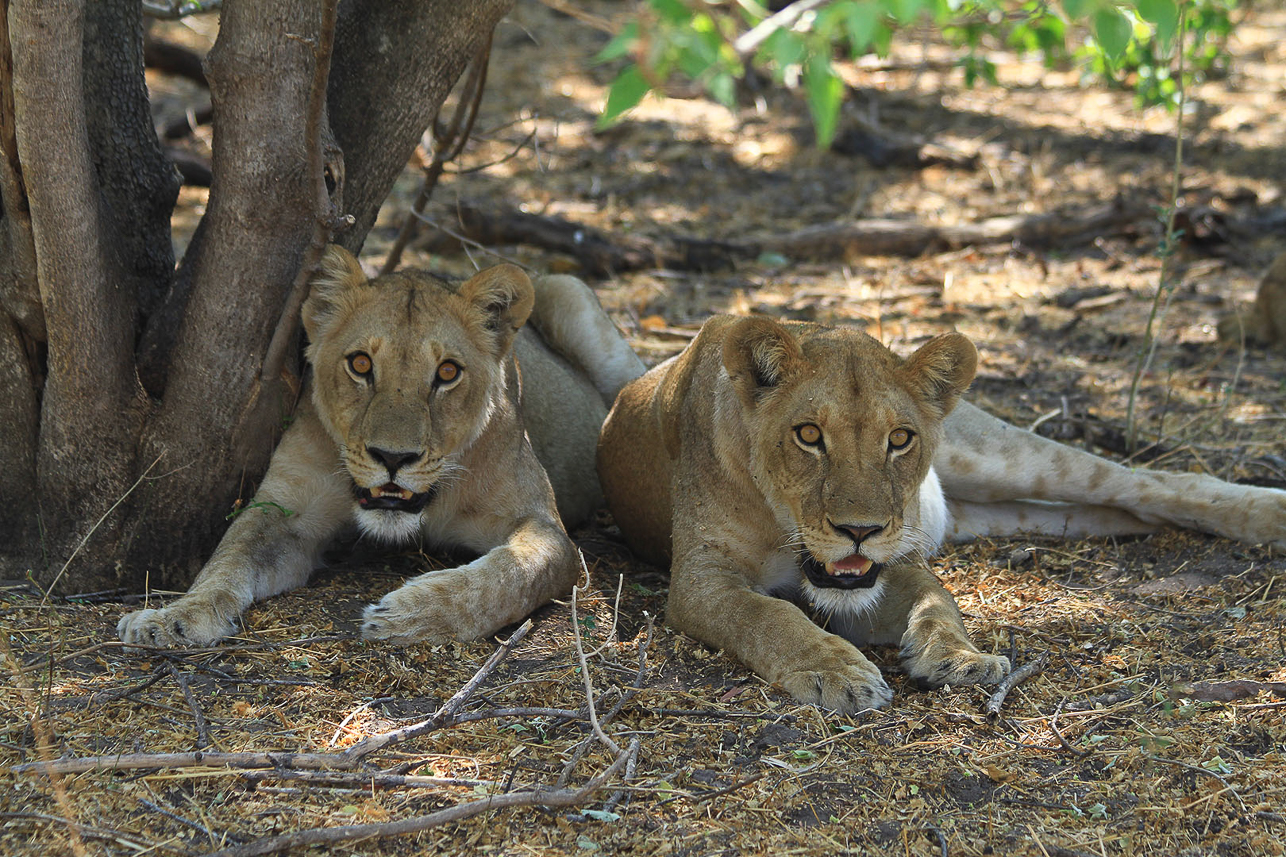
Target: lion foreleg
x: 921, y: 616
x: 771, y: 636
x: 535, y: 564
x: 271, y: 547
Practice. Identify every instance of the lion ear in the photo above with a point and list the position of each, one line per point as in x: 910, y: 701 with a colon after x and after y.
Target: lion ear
x: 337, y: 273
x: 758, y: 353
x: 941, y: 369
x: 503, y: 297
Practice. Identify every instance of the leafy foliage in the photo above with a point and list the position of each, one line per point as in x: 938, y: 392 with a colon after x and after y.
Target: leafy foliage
x: 714, y: 42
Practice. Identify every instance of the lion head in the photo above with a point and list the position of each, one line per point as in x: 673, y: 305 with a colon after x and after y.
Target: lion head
x: 842, y: 433
x: 407, y: 373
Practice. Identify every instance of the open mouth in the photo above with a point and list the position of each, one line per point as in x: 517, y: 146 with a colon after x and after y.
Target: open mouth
x: 851, y: 572
x: 392, y: 497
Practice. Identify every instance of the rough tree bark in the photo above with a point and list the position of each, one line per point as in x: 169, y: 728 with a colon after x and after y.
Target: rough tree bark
x: 133, y: 479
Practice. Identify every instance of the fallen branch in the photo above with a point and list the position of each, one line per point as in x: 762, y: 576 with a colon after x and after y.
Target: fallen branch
x: 600, y: 253
x: 1012, y: 681
x: 1229, y: 691
x: 881, y: 237
x: 549, y: 798
x: 330, y: 835
x: 347, y: 760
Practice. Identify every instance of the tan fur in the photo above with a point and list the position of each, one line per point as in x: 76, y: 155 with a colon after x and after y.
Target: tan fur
x: 702, y: 470
x: 464, y: 444
x: 1263, y: 323
x: 702, y: 455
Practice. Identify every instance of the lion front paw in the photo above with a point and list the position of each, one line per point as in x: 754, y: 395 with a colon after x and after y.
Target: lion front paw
x: 937, y: 665
x: 179, y: 625
x: 423, y: 611
x: 843, y: 680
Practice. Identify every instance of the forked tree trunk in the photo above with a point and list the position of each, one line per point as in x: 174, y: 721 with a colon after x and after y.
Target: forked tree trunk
x: 106, y: 479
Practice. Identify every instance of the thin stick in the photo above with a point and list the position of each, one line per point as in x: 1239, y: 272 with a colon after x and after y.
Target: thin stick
x: 1148, y: 348
x: 331, y: 835
x: 202, y: 730
x: 78, y: 830
x: 580, y: 749
x: 378, y: 742
x: 448, y: 148
x: 356, y: 711
x: 589, y: 685
x: 1199, y: 770
x: 1011, y: 681
x: 214, y: 837
x: 84, y: 541
x: 752, y: 38
x: 332, y: 779
x: 347, y: 760
x: 1053, y: 727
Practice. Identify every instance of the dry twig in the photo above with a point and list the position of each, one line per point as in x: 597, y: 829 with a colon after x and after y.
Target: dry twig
x: 202, y: 730
x: 1012, y: 681
x: 459, y: 812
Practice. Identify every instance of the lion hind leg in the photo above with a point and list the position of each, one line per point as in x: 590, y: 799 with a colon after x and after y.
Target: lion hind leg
x: 984, y: 460
x: 573, y: 323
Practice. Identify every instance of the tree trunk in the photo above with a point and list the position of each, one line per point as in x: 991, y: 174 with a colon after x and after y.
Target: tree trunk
x: 91, y: 407
x: 134, y: 484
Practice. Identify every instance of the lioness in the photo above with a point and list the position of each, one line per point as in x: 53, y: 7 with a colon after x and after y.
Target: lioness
x: 419, y: 423
x: 812, y: 463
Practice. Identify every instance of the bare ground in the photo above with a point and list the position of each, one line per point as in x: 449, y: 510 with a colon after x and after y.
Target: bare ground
x: 1114, y: 747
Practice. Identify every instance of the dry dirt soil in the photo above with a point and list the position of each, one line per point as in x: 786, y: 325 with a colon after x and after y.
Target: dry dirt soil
x: 1152, y: 727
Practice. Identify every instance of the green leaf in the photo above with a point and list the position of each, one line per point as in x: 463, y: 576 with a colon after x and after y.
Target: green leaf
x: 1165, y: 15
x: 723, y: 89
x: 673, y: 11
x: 785, y: 48
x: 1112, y: 30
x: 1076, y: 9
x: 600, y: 815
x: 825, y: 92
x: 620, y: 44
x: 906, y: 11
x: 627, y: 91
x: 862, y: 22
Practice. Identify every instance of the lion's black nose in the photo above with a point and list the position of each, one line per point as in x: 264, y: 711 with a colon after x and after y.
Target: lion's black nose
x: 393, y: 460
x: 859, y: 532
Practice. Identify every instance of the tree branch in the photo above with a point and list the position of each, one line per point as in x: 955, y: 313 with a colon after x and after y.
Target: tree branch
x: 459, y: 812
x: 326, y: 215
x: 446, y: 148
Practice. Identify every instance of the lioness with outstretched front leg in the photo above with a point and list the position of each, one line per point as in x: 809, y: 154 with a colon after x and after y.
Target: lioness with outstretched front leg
x: 791, y: 463
x: 774, y: 465
x: 433, y: 413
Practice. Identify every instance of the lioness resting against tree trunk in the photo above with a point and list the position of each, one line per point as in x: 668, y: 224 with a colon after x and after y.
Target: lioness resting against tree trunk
x: 812, y: 463
x: 418, y: 423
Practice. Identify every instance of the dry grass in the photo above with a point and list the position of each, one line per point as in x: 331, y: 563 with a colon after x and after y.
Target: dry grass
x: 1111, y: 749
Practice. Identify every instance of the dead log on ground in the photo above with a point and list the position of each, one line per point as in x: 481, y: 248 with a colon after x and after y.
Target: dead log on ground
x: 601, y: 253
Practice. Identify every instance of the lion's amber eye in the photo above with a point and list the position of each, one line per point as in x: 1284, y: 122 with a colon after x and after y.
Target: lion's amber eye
x: 899, y: 439
x: 809, y: 434
x: 360, y: 363
x: 448, y: 372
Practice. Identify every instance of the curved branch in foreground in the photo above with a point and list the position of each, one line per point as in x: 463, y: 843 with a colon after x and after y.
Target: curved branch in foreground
x: 459, y: 812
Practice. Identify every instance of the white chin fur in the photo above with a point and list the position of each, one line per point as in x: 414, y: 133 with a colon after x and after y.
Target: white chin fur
x: 844, y: 604
x: 390, y: 527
